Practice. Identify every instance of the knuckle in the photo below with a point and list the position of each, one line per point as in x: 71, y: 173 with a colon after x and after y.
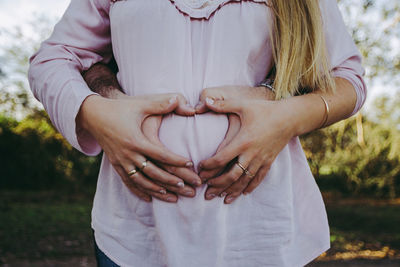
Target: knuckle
x: 231, y: 178
x: 219, y: 162
x: 171, y: 169
x: 126, y: 154
x: 113, y: 161
x: 246, y: 143
x: 163, y: 157
x: 130, y: 144
x: 150, y: 172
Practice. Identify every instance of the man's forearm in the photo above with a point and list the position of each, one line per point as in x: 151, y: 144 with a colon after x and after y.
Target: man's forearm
x: 102, y: 80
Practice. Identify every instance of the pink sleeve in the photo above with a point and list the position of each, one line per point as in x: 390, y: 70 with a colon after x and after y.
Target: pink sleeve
x: 80, y: 39
x: 344, y: 56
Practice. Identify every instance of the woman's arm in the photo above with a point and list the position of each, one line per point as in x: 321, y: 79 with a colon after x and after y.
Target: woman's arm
x: 262, y: 137
x: 88, y: 121
x: 308, y: 111
x: 80, y: 39
x: 266, y: 128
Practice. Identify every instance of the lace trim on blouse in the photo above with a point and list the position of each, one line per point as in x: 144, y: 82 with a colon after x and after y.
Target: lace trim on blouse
x: 202, y: 8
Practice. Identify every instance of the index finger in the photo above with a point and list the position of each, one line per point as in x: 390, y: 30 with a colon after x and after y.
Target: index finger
x: 162, y: 154
x: 225, y: 155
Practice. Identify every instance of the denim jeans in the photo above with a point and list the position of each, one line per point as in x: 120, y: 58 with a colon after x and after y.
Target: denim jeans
x: 102, y: 259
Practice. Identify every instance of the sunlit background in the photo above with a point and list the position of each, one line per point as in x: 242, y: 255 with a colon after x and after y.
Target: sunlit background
x: 46, y: 187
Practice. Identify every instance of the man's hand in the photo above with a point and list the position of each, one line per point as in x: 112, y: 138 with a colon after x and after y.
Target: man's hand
x: 161, y: 174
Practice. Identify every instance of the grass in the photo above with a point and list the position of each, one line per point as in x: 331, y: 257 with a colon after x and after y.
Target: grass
x: 364, y: 229
x: 44, y: 225
x: 48, y: 225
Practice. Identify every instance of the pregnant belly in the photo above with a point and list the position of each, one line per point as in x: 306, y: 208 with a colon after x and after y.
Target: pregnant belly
x: 196, y: 137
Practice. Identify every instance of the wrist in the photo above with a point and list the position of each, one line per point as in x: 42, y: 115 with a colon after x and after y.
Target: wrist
x: 267, y: 94
x: 88, y: 110
x: 288, y: 114
x: 306, y: 113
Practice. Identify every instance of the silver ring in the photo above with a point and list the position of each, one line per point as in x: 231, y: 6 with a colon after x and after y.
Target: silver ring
x: 144, y: 164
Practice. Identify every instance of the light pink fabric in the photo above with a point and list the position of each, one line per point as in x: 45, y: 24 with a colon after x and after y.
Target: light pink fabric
x: 184, y: 46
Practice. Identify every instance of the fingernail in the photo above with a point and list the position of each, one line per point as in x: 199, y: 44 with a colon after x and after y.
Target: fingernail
x: 172, y: 99
x: 188, y: 193
x: 209, y: 101
x: 197, y: 182
x: 163, y: 191
x: 211, y: 196
x: 181, y: 184
x: 189, y: 164
x: 229, y: 199
x: 170, y: 199
x: 223, y: 194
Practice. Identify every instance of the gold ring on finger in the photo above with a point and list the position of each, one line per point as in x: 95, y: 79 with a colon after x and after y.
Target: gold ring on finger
x: 241, y: 166
x: 132, y: 172
x: 248, y: 173
x: 144, y: 164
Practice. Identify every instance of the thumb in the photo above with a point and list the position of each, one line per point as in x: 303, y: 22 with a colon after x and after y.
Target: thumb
x: 224, y: 106
x: 183, y: 108
x: 161, y: 104
x: 211, y: 92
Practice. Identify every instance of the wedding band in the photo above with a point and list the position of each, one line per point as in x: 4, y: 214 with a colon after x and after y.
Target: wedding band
x: 248, y: 173
x: 144, y: 164
x: 241, y: 166
x: 132, y: 172
x: 245, y: 171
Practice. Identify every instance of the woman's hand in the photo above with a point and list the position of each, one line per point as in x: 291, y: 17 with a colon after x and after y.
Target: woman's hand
x: 229, y: 92
x: 117, y: 126
x: 266, y: 127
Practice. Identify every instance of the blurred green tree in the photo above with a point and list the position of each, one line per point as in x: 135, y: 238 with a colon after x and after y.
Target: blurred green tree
x: 34, y: 155
x: 356, y: 156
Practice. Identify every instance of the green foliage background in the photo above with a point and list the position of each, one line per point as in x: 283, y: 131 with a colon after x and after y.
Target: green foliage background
x: 357, y: 157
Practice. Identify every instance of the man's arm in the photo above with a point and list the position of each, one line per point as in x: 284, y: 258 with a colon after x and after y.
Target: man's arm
x: 102, y: 79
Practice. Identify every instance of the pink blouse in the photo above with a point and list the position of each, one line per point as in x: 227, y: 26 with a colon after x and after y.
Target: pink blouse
x: 183, y: 46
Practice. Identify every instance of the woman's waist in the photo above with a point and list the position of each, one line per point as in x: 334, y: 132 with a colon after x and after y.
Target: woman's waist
x: 196, y: 137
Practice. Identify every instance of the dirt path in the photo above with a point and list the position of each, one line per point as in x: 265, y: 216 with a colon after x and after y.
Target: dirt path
x: 356, y: 263
x: 90, y: 262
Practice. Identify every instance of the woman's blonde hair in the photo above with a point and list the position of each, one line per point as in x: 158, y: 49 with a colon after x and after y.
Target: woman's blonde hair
x: 299, y: 50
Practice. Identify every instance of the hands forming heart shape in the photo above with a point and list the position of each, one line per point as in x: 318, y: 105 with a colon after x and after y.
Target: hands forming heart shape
x: 253, y: 139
